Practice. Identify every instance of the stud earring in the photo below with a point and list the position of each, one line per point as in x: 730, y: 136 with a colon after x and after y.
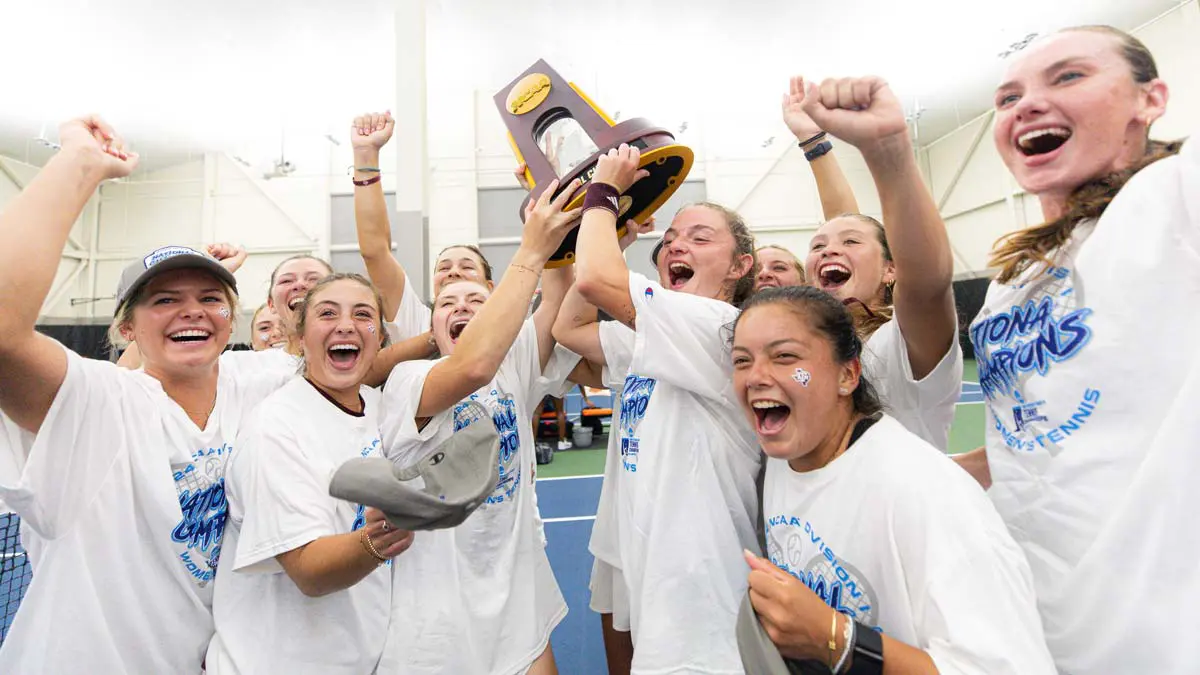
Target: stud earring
x: 843, y: 391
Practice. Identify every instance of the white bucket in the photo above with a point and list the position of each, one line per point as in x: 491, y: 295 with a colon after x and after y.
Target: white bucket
x: 582, y: 436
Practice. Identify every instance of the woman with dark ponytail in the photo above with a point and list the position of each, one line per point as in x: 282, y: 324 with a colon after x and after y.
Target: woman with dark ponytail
x: 881, y: 555
x: 1091, y: 435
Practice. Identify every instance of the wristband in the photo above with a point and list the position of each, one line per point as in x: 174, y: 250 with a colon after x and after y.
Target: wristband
x: 370, y: 181
x: 819, y: 135
x: 868, y: 652
x: 603, y: 196
x: 367, y: 169
x: 818, y: 150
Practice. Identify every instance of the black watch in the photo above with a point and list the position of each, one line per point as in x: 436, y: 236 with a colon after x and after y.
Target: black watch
x: 818, y: 150
x: 868, y: 652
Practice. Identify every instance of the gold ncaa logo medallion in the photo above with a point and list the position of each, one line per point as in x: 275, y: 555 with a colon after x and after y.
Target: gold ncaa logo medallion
x: 528, y: 93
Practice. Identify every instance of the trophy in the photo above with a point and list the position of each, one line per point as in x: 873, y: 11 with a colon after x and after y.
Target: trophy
x: 558, y: 132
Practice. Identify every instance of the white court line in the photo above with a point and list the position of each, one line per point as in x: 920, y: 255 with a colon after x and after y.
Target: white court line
x: 568, y: 519
x: 549, y: 478
x: 970, y: 382
x: 6, y: 556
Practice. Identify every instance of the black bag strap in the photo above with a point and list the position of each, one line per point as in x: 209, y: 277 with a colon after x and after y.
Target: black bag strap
x: 761, y: 523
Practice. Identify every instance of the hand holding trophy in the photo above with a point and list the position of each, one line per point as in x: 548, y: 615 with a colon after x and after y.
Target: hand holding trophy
x: 558, y: 133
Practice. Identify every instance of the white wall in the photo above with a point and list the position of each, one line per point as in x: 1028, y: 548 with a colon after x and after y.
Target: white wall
x: 215, y: 199
x: 72, y: 279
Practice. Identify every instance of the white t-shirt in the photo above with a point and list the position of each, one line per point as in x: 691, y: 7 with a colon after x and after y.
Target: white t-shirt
x: 413, y: 317
x: 126, y: 497
x: 1092, y: 426
x: 896, y: 536
x: 617, y: 342
x: 479, y: 598
x: 276, y: 361
x: 688, y: 503
x: 607, y: 584
x: 279, y: 501
x: 926, y: 406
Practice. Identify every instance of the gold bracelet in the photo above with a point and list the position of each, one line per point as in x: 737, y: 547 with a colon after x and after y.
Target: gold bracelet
x: 832, y: 640
x: 370, y: 546
x: 527, y: 269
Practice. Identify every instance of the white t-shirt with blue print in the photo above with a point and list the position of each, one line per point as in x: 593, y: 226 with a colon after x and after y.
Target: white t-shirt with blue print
x: 687, y: 498
x: 479, y: 597
x: 607, y: 584
x: 1093, y: 434
x: 125, y: 497
x: 279, y: 501
x: 896, y: 536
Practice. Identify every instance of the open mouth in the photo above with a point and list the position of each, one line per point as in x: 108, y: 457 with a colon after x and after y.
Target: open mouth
x: 343, y: 356
x: 295, y: 302
x: 1042, y: 141
x: 678, y: 274
x: 833, y: 276
x: 190, y: 336
x: 770, y: 416
x: 456, y: 329
x: 279, y: 344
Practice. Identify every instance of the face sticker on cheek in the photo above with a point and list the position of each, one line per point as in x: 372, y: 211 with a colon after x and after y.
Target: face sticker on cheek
x: 802, y: 376
x: 371, y: 328
x: 264, y: 336
x: 224, y: 312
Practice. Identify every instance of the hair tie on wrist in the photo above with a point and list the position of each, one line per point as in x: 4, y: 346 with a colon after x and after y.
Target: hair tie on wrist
x: 370, y: 181
x: 819, y: 135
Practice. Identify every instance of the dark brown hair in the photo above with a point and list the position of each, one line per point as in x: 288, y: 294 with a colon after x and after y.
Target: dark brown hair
x: 828, y: 317
x: 1015, y: 252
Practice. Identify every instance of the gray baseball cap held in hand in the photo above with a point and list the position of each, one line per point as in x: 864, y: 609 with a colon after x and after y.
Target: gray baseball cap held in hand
x: 759, y: 655
x: 458, y: 475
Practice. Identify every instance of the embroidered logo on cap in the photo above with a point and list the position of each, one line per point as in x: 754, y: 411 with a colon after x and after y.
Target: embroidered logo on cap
x: 166, y: 252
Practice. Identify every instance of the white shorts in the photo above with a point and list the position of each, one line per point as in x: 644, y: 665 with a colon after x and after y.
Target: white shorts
x: 610, y: 595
